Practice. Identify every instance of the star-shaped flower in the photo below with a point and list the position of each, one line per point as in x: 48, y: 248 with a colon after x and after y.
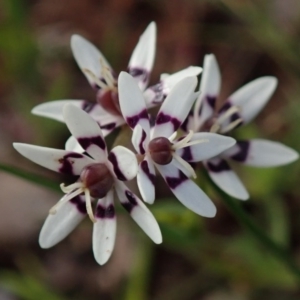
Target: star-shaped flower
x: 106, y: 109
x: 157, y: 147
x: 239, y: 109
x: 99, y: 174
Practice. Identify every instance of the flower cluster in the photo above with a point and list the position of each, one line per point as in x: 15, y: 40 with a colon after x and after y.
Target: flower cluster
x: 185, y: 131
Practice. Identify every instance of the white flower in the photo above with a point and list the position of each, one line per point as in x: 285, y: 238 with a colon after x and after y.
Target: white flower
x: 157, y: 147
x: 106, y: 109
x: 99, y: 174
x: 239, y: 109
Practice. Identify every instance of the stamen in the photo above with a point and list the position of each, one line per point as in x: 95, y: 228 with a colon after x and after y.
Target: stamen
x: 88, y: 204
x: 71, y: 187
x: 215, y: 128
x: 185, y: 142
x: 107, y: 73
x: 173, y: 136
x: 97, y: 80
x: 231, y: 125
x: 65, y: 199
x: 186, y: 165
x: 229, y: 112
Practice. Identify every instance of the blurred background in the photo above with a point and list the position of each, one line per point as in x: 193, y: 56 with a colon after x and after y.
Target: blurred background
x: 210, y: 259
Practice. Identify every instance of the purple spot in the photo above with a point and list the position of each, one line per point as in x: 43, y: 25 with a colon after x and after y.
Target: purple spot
x: 113, y: 159
x: 95, y: 140
x: 108, y: 126
x: 67, y: 163
x: 174, y: 182
x: 105, y: 213
x: 131, y: 201
x: 79, y: 203
x: 141, y: 146
x: 211, y: 100
x: 145, y: 168
x: 162, y: 119
x: 243, y: 152
x: 132, y: 121
x: 88, y: 106
x: 139, y: 72
x: 221, y: 166
x: 187, y: 154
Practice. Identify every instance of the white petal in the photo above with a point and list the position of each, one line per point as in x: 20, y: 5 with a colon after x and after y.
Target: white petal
x: 252, y: 97
x: 213, y: 144
x: 142, y: 59
x: 139, y: 212
x: 73, y: 145
x: 53, y: 109
x: 132, y: 103
x: 145, y: 180
x: 210, y: 86
x: 261, y: 153
x: 225, y: 178
x: 155, y: 94
x: 86, y: 131
x: 59, y: 225
x: 175, y: 108
x: 124, y: 163
x: 139, y: 139
x: 62, y: 161
x: 187, y: 191
x: 88, y: 57
x: 104, y: 230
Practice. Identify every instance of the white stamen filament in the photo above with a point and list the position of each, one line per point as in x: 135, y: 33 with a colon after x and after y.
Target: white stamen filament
x: 71, y: 187
x: 186, y: 165
x: 88, y: 205
x: 107, y: 73
x: 173, y: 136
x: 186, y: 141
x: 229, y: 112
x: 97, y: 80
x: 231, y: 126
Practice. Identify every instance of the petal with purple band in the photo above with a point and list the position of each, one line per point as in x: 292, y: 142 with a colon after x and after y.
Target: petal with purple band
x: 225, y: 178
x: 124, y: 163
x: 142, y: 58
x: 104, y: 230
x: 139, y: 212
x: 261, y: 153
x: 209, y: 91
x: 252, y: 97
x: 54, y: 109
x: 59, y: 225
x: 175, y: 108
x: 155, y: 94
x: 212, y: 144
x: 88, y: 57
x: 145, y: 180
x: 86, y: 131
x: 139, y: 139
x: 62, y: 161
x: 132, y: 103
x: 187, y: 191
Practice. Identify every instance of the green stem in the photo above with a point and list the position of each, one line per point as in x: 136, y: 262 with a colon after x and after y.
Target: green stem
x: 36, y: 179
x: 236, y: 209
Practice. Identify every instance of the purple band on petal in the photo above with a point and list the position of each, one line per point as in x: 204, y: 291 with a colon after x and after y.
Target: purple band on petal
x: 145, y: 168
x: 141, y: 146
x: 222, y: 165
x: 187, y: 154
x: 133, y: 120
x: 88, y: 106
x: 132, y: 201
x: 88, y: 141
x: 113, y: 159
x: 242, y: 154
x: 109, y: 126
x: 234, y: 116
x: 140, y: 73
x: 163, y: 118
x: 67, y: 163
x: 210, y: 100
x: 174, y: 182
x: 105, y: 212
x: 80, y: 204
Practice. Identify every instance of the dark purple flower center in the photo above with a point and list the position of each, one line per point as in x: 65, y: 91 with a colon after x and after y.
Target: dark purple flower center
x: 161, y: 150
x: 97, y: 179
x: 109, y: 100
